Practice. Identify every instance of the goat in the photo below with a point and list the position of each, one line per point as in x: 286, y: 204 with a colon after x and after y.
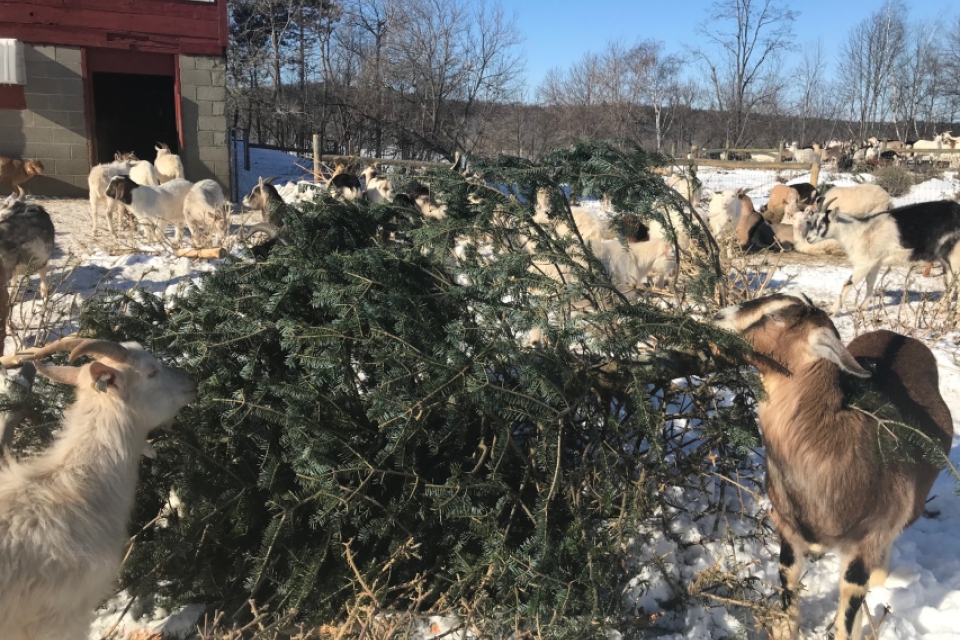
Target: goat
x: 938, y: 142
x: 375, y: 187
x: 859, y: 200
x: 788, y: 199
x: 64, y: 513
x: 204, y: 206
x: 641, y: 257
x: 99, y: 179
x: 781, y: 197
x: 265, y: 198
x: 827, y: 483
x: 153, y: 207
x: 753, y: 232
x: 724, y: 212
x: 798, y: 221
x: 916, y: 233
x: 144, y: 173
x: 807, y: 155
x: 685, y: 187
x: 346, y: 186
x: 420, y: 195
x: 169, y: 166
x: 26, y: 240
x: 764, y: 157
x: 16, y: 172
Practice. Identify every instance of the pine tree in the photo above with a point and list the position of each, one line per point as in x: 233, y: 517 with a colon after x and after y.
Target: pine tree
x: 372, y: 425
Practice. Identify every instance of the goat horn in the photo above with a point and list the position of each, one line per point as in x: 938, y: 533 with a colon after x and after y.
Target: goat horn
x: 269, y: 180
x: 826, y: 206
x: 104, y: 348
x: 63, y: 344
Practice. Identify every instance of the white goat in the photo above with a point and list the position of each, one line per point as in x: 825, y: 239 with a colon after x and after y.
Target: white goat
x: 153, y: 207
x: 685, y: 187
x: 169, y: 166
x: 764, y: 157
x: 806, y: 156
x: 724, y: 213
x: 939, y: 142
x: 97, y: 182
x: 64, y: 513
x: 205, y: 207
x: 858, y: 200
x: 144, y: 172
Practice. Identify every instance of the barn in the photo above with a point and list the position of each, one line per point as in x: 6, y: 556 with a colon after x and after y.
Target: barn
x: 83, y: 79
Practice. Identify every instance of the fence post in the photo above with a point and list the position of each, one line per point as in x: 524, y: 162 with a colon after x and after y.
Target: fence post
x: 316, y: 157
x: 246, y: 149
x: 673, y: 149
x: 726, y: 154
x: 815, y: 170
x: 234, y: 167
x: 780, y: 157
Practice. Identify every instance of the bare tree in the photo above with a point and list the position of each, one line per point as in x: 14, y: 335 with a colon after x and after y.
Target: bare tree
x: 868, y: 62
x: 916, y: 101
x: 815, y: 102
x: 746, y: 40
x: 656, y: 83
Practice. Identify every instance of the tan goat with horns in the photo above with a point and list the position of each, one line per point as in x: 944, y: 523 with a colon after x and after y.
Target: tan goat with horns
x: 829, y: 486
x: 64, y: 513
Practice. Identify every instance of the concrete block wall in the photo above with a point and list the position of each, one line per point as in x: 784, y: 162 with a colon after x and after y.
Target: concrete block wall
x: 203, y: 94
x: 53, y: 128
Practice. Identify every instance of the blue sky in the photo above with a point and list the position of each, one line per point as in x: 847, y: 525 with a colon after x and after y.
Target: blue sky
x: 558, y: 32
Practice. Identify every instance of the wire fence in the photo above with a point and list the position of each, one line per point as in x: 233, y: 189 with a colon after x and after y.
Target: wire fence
x: 911, y: 176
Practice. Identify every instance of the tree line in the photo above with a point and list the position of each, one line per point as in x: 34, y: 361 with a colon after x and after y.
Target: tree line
x: 425, y: 79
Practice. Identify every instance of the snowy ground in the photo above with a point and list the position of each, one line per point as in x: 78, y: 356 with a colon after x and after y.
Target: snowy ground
x: 922, y: 597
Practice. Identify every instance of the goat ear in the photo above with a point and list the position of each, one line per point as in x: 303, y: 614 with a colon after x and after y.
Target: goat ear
x: 825, y: 344
x: 103, y: 376
x: 63, y: 375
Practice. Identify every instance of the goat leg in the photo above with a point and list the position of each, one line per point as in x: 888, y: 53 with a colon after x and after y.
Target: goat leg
x: 791, y: 568
x: 853, y: 591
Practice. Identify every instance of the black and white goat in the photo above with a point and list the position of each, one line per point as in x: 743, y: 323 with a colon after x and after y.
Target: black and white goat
x: 153, y: 207
x: 916, y: 233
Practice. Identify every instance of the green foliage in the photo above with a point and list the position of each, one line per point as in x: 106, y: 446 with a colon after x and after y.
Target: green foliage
x: 372, y: 425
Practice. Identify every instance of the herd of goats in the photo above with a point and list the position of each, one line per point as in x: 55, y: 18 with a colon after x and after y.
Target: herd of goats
x: 64, y: 512
x: 872, y: 151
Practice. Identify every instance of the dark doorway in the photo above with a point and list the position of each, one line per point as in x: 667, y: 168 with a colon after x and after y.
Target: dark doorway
x: 133, y: 113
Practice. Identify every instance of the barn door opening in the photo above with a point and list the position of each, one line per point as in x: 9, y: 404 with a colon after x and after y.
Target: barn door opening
x: 133, y: 113
x: 134, y: 102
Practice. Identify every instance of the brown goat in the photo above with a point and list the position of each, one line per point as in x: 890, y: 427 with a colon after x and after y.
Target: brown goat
x: 788, y: 199
x: 16, y: 172
x: 753, y: 232
x: 827, y: 481
x: 781, y: 196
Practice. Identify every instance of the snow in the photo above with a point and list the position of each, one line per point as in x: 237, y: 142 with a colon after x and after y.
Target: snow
x: 921, y: 599
x: 266, y: 163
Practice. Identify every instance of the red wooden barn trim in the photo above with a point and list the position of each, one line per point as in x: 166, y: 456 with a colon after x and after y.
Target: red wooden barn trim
x: 161, y: 26
x: 114, y: 61
x: 12, y: 96
x: 89, y: 114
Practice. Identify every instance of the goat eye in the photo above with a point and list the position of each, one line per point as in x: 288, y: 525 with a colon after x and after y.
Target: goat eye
x: 153, y: 374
